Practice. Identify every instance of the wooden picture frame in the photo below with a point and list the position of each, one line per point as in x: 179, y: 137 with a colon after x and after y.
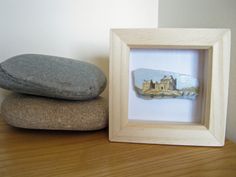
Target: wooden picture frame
x: 211, y: 130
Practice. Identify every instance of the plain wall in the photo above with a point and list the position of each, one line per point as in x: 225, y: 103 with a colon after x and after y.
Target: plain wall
x: 76, y: 29
x: 206, y: 14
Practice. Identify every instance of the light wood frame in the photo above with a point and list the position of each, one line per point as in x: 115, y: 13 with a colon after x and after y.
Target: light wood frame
x: 211, y: 131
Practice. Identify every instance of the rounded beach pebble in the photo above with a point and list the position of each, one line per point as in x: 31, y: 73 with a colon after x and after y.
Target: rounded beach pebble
x: 52, y: 76
x: 34, y: 112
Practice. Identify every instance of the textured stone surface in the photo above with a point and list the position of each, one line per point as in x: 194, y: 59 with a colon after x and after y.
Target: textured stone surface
x: 34, y: 112
x: 52, y: 77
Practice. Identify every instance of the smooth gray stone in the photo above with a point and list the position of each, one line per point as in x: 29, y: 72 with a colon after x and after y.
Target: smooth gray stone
x: 52, y: 76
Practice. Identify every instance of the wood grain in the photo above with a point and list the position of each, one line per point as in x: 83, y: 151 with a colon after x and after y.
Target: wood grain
x: 32, y: 153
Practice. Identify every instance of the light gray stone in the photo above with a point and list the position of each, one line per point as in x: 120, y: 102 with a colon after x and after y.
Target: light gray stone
x: 52, y: 76
x: 35, y: 112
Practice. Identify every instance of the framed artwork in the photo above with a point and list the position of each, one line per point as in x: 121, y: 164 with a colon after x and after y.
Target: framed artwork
x: 169, y: 86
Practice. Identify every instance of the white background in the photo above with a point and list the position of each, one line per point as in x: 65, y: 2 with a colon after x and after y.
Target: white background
x: 76, y: 29
x: 187, y: 62
x: 206, y: 14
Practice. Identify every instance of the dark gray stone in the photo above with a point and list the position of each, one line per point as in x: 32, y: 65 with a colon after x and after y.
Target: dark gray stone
x: 52, y: 76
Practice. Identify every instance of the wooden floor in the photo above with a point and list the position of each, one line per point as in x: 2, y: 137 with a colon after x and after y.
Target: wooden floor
x: 31, y: 153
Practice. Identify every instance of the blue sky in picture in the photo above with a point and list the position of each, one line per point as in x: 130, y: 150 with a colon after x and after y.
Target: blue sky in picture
x: 183, y: 81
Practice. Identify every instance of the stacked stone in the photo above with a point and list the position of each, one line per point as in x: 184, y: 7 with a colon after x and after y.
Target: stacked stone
x: 53, y: 93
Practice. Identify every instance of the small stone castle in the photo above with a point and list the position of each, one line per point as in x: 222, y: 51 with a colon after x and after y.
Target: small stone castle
x: 165, y: 84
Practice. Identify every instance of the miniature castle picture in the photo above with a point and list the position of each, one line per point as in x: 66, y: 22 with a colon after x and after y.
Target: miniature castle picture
x: 167, y: 83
